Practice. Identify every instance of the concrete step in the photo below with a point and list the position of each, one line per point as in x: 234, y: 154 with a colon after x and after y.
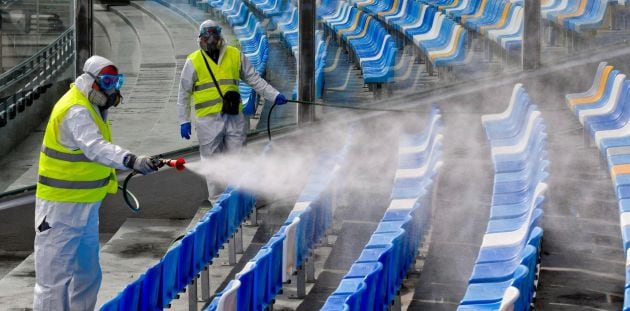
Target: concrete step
x: 136, y: 246
x: 16, y: 288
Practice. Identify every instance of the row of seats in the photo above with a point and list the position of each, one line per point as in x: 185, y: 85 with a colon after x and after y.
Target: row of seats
x: 368, y: 42
x: 499, y: 21
x: 262, y: 278
x: 160, y: 284
x: 441, y: 40
x: 270, y: 8
x: 34, y: 76
x: 287, y: 24
x: 253, y: 43
x: 375, y: 278
x: 578, y: 16
x: 510, y: 250
x: 604, y: 111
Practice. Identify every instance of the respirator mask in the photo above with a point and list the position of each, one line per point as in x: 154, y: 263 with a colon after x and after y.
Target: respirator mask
x: 109, y: 93
x: 210, y: 39
x: 105, y: 100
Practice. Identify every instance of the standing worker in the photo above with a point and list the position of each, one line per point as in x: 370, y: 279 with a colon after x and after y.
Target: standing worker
x: 220, y: 122
x: 76, y: 170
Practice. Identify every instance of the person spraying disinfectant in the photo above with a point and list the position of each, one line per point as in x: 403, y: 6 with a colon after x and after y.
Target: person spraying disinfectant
x: 76, y: 170
x: 209, y: 81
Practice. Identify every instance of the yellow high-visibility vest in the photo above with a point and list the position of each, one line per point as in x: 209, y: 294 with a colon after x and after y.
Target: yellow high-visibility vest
x: 68, y: 175
x: 205, y: 95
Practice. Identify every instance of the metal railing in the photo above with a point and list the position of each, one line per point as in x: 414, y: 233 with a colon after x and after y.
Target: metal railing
x: 33, y: 76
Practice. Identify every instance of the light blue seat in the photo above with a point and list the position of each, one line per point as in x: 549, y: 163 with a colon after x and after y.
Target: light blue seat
x: 444, y: 33
x: 509, y: 250
x: 531, y: 123
x: 503, y: 270
x: 615, y: 119
x: 593, y: 19
x: 519, y: 181
x: 370, y: 273
x: 511, y: 162
x: 459, y: 38
x: 354, y: 291
x: 507, y: 123
x: 503, y: 211
x: 612, y: 77
x: 383, y: 255
x: 562, y: 9
x: 247, y: 27
x: 429, y: 21
x: 335, y: 303
x: 484, y: 293
x: 518, y: 194
x: 215, y: 304
x: 470, y: 8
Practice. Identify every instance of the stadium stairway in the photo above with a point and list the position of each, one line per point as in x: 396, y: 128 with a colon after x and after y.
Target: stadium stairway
x: 461, y: 212
x: 358, y: 211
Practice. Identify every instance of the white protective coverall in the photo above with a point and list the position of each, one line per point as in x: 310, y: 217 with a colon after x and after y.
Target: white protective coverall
x: 67, y: 269
x: 219, y: 132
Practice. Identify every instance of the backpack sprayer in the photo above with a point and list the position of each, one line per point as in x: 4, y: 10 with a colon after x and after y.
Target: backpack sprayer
x: 158, y: 162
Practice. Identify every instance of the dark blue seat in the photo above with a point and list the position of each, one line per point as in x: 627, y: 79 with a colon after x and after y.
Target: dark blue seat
x: 151, y: 293
x: 170, y: 277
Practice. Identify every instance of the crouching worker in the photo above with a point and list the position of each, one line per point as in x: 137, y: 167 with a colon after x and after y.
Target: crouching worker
x: 76, y: 170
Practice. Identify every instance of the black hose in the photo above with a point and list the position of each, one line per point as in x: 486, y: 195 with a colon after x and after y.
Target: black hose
x: 269, y: 121
x: 333, y: 106
x: 128, y: 196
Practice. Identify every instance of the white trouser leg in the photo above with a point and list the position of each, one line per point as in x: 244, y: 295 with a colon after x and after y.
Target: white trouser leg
x: 87, y: 273
x: 234, y: 132
x: 223, y: 133
x: 206, y: 152
x: 59, y: 230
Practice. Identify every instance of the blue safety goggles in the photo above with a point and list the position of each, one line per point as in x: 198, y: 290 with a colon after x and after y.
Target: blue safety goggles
x: 211, y: 31
x: 108, y: 82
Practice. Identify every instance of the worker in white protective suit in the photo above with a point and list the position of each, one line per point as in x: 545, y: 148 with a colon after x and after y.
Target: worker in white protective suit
x: 76, y: 170
x: 220, y: 123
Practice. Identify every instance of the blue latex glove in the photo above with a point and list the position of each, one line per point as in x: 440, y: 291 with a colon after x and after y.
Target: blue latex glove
x: 185, y: 130
x: 280, y: 100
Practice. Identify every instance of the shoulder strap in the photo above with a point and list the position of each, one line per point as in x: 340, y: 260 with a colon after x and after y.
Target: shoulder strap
x: 203, y: 54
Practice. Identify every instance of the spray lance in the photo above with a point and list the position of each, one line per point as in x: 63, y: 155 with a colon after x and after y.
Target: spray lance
x: 157, y: 162
x: 333, y: 106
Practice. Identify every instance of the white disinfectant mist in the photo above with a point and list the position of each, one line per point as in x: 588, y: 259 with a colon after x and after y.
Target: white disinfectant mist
x: 278, y: 169
x: 283, y: 169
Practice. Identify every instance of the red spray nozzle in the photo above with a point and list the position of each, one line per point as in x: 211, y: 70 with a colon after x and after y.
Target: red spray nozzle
x: 178, y: 164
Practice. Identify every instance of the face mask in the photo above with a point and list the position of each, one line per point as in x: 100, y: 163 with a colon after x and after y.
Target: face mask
x: 214, y: 43
x: 104, y: 101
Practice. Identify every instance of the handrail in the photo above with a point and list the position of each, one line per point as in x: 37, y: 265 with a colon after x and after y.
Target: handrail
x: 33, y: 76
x: 29, y: 65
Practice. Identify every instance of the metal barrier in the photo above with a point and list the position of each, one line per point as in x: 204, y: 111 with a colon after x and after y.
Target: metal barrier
x: 32, y: 77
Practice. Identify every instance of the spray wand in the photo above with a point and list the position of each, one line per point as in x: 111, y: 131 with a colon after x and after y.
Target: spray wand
x: 158, y: 162
x: 333, y: 106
